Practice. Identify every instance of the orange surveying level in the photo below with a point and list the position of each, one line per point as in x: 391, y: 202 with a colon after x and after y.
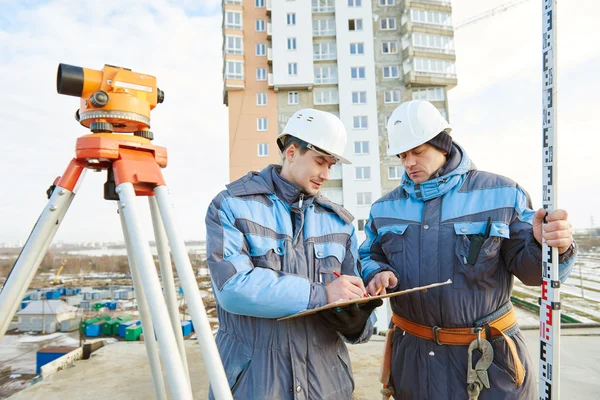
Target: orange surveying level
x: 119, y: 100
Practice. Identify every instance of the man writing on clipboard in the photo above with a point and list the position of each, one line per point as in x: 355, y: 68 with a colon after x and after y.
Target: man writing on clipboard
x: 274, y: 246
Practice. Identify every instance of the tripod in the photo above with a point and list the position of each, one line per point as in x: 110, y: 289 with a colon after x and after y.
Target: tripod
x: 133, y: 166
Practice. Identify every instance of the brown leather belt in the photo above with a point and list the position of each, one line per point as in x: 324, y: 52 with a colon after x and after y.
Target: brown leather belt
x: 459, y: 337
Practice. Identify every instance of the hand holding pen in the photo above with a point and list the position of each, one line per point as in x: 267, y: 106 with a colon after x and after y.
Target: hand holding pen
x: 346, y: 287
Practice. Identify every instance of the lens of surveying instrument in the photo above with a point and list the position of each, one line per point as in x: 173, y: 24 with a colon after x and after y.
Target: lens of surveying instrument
x: 69, y: 80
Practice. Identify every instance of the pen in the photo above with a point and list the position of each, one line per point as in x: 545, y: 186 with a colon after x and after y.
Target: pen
x: 338, y: 275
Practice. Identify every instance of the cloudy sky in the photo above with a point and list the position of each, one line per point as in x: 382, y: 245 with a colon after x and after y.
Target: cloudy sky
x: 495, y: 110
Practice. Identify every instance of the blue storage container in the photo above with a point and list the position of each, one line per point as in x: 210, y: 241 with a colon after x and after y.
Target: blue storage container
x: 94, y: 329
x: 186, y: 328
x: 49, y: 354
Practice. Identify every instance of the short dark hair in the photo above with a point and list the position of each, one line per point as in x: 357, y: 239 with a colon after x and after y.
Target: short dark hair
x: 296, y: 143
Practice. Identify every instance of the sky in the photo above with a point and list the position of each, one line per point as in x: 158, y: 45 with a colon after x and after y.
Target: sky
x: 495, y: 110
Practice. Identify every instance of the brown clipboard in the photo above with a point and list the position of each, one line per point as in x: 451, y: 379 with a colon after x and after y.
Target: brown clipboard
x: 343, y: 303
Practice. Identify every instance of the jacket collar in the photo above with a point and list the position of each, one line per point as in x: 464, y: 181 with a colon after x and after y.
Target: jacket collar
x: 444, y: 180
x: 268, y: 181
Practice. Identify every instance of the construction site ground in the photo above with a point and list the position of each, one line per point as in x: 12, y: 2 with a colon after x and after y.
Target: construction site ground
x: 122, y: 369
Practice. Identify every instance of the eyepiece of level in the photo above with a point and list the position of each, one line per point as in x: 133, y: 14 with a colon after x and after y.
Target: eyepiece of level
x: 69, y: 80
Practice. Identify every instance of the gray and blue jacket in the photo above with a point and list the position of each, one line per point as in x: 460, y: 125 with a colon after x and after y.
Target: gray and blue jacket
x: 270, y: 252
x: 421, y: 233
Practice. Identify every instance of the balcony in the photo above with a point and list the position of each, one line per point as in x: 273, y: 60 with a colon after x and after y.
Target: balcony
x: 269, y: 30
x: 270, y: 54
x: 428, y: 52
x: 323, y: 8
x: 324, y: 56
x: 324, y: 32
x: 436, y: 29
x: 270, y: 80
x: 438, y: 5
x: 421, y: 78
x: 269, y: 7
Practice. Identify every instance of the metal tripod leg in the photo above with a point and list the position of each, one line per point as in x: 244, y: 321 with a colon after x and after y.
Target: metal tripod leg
x: 168, y: 283
x: 145, y: 316
x: 33, y: 253
x: 169, y: 351
x: 204, y: 334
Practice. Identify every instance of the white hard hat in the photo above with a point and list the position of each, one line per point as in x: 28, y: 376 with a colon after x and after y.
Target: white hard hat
x: 322, y: 131
x: 413, y: 123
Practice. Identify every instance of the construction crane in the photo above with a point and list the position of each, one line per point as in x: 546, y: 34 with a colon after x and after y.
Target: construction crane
x: 56, y: 280
x: 489, y: 13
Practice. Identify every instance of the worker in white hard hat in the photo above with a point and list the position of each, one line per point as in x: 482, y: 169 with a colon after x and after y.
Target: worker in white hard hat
x: 276, y: 247
x: 448, y: 220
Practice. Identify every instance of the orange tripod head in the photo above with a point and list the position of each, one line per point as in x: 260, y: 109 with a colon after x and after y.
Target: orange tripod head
x: 114, y: 99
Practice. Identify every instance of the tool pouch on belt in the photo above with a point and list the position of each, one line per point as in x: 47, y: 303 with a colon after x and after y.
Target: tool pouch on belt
x: 386, y: 365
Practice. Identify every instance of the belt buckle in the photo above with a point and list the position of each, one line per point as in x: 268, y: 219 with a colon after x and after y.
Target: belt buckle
x: 436, y: 338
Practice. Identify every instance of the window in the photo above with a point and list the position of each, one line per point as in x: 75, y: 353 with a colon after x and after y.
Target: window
x: 357, y: 72
x: 391, y: 71
x: 355, y: 25
x: 261, y: 99
x: 361, y: 147
x: 434, y: 65
x: 437, y: 43
x: 259, y: 3
x: 386, y: 2
x: 292, y: 68
x: 429, y: 94
x: 291, y: 18
x: 261, y: 74
x: 430, y: 17
x: 326, y: 96
x: 391, y: 96
x: 293, y: 98
x: 324, y: 27
x: 323, y: 6
x: 291, y: 43
x: 326, y: 74
x: 260, y: 25
x: 359, y: 97
x: 354, y: 3
x: 389, y: 47
x: 357, y: 48
x: 261, y: 49
x: 363, y: 198
x: 262, y: 124
x: 324, y: 51
x: 360, y: 122
x: 387, y: 24
x: 234, y: 70
x: 233, y: 20
x: 361, y: 224
x: 234, y: 45
x: 263, y: 149
x: 395, y: 173
x: 362, y: 173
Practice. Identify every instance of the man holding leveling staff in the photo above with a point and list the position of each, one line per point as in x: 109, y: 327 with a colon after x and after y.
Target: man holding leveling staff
x: 276, y: 247
x: 447, y: 220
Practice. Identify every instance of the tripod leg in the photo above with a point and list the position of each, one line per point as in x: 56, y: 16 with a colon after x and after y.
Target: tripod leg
x: 210, y: 354
x: 166, y: 272
x: 37, y: 245
x: 178, y: 384
x: 147, y: 326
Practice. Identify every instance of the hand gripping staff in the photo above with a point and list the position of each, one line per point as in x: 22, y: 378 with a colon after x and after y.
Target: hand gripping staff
x: 116, y: 101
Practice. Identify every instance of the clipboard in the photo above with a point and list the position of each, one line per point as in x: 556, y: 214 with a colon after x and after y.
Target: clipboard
x: 344, y: 303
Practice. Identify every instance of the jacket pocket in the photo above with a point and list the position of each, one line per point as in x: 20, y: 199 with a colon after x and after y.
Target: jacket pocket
x: 266, y: 252
x: 328, y: 258
x: 393, y: 244
x: 482, y: 274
